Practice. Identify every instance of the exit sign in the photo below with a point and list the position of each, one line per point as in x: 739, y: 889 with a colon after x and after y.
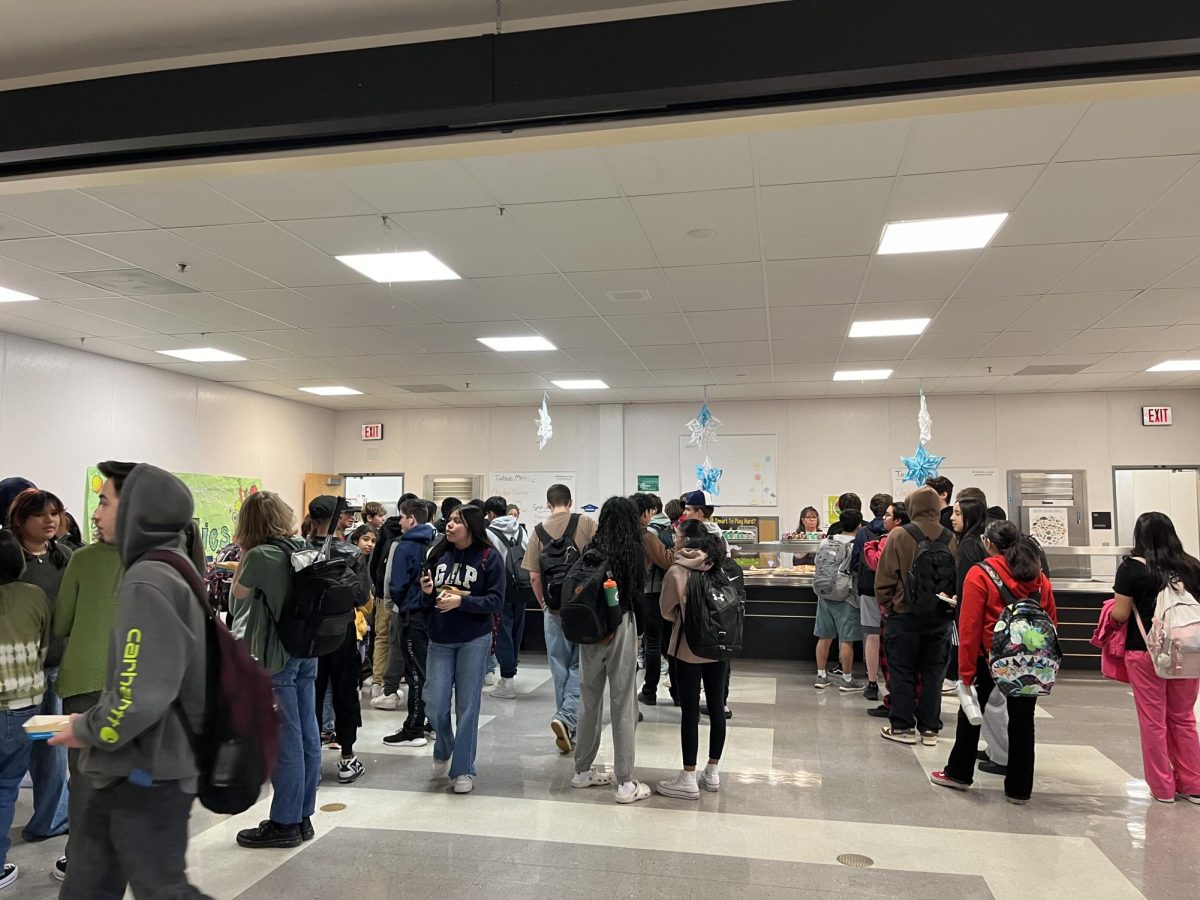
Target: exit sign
x: 373, y: 432
x: 1156, y: 415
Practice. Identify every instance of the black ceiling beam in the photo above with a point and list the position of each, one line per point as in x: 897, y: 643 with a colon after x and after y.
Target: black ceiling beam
x: 802, y: 51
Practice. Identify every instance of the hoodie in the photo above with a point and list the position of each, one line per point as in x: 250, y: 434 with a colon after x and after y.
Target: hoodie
x: 924, y: 507
x: 672, y: 603
x: 981, y: 606
x: 389, y: 533
x: 870, y: 531
x: 404, y: 566
x: 477, y: 569
x: 9, y: 488
x: 157, y: 647
x: 510, y: 527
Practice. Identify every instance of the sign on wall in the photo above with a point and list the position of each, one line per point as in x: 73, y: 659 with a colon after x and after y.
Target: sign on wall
x: 1156, y: 415
x: 528, y: 491
x: 648, y: 484
x: 373, y: 432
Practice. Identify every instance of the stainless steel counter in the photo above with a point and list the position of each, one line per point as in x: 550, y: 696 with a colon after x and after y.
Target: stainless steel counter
x: 1067, y: 586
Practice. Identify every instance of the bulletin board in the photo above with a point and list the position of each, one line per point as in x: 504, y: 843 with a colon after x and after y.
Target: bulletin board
x: 748, y: 463
x: 528, y: 491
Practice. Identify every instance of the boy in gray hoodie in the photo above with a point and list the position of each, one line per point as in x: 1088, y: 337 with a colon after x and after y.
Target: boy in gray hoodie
x: 135, y: 749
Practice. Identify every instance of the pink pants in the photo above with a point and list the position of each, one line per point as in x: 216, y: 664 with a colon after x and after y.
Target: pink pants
x: 1167, y: 721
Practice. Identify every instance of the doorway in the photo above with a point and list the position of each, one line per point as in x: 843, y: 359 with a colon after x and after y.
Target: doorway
x: 385, y: 488
x: 1174, y: 490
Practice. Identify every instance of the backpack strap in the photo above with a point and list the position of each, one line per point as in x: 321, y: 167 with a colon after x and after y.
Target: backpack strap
x: 946, y: 537
x: 188, y: 573
x: 543, y: 535
x: 914, y: 532
x: 572, y: 524
x: 1005, y: 594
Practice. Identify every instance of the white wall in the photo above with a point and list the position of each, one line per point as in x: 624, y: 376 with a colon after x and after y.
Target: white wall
x: 62, y: 410
x: 826, y: 446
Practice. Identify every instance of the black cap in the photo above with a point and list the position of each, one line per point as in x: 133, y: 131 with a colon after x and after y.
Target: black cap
x: 697, y: 499
x: 322, y: 507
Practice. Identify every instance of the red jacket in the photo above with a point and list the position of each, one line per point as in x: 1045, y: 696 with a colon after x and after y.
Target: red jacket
x: 981, y: 609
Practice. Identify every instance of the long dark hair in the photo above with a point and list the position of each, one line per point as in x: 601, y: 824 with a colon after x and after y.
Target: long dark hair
x: 32, y: 502
x: 1156, y: 541
x: 12, y: 558
x: 619, y: 539
x: 974, y: 518
x: 706, y: 542
x: 1019, y: 551
x: 472, y: 517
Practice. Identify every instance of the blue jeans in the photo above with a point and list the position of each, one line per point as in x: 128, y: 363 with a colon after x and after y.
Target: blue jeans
x: 48, y: 771
x: 564, y: 668
x: 14, y: 760
x: 458, y: 668
x: 298, y: 766
x: 512, y: 631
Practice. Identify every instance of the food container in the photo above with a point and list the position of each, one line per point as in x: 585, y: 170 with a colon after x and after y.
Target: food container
x: 40, y: 728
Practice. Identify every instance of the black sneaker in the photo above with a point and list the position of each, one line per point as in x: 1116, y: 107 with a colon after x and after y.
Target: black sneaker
x: 647, y: 698
x: 871, y: 691
x: 993, y: 768
x: 879, y: 712
x: 704, y: 711
x: 271, y: 834
x: 406, y: 737
x: 8, y: 875
x: 307, y: 832
x: 350, y: 770
x: 60, y: 869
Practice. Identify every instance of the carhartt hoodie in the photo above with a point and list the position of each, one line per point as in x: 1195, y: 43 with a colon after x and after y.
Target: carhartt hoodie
x: 157, y: 647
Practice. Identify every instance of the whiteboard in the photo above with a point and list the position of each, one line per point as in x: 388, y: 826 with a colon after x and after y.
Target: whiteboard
x: 748, y: 464
x: 528, y: 491
x: 986, y: 478
x: 385, y: 489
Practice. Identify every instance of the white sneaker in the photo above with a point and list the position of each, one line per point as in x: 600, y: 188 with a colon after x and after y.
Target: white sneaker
x: 682, y: 786
x: 505, y: 690
x: 464, y: 784
x: 59, y: 870
x: 8, y: 875
x: 386, y: 701
x: 593, y: 777
x: 710, y: 780
x: 376, y: 691
x: 489, y: 679
x: 632, y: 791
x: 441, y: 769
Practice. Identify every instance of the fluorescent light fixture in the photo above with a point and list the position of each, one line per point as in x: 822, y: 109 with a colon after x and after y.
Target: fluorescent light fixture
x: 10, y: 296
x: 1177, y: 365
x: 862, y: 375
x: 517, y: 344
x: 331, y: 391
x: 930, y: 235
x: 581, y: 384
x: 203, y: 354
x: 888, y: 327
x: 416, y: 265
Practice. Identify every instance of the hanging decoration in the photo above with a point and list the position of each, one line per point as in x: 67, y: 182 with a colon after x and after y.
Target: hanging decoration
x: 922, y: 465
x: 703, y: 427
x: 924, y: 421
x: 545, y: 426
x: 708, y: 478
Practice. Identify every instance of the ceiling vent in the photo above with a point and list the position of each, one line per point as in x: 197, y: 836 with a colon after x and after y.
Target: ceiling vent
x: 640, y: 296
x: 1052, y: 370
x: 132, y: 282
x: 427, y: 388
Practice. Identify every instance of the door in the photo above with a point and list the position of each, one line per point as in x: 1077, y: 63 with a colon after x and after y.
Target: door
x: 1175, y: 492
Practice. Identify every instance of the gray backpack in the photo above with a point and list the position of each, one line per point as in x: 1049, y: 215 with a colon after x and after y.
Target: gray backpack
x: 832, y: 579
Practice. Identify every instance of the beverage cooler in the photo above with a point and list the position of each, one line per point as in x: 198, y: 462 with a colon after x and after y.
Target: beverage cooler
x: 1052, y: 507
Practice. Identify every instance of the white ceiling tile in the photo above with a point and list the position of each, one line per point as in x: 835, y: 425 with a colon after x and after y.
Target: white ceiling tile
x: 506, y: 328
x: 996, y: 314
x: 737, y: 353
x: 684, y: 377
x: 982, y: 366
x: 516, y: 381
x: 1022, y: 383
x: 753, y: 381
x: 39, y: 330
x: 1175, y: 214
x: 1187, y: 277
x: 368, y: 304
x: 804, y: 372
x: 475, y: 242
x: 667, y: 219
x: 627, y: 379
x: 292, y: 195
x: 800, y: 389
x: 115, y: 347
x: 615, y: 360
x: 305, y: 343
x: 903, y: 387
x: 132, y: 312
x: 645, y: 395
x: 968, y: 193
x: 951, y: 346
x: 466, y: 365
x: 917, y: 276
x: 1156, y: 307
x: 865, y: 350
x: 841, y: 218
x: 729, y: 286
x: 1022, y: 271
x: 986, y: 140
x: 12, y: 229
x: 810, y: 322
x: 156, y: 342
x: 453, y: 301
x: 272, y: 253
x: 596, y: 287
x: 1143, y: 126
x: 244, y: 371
x: 289, y: 307
x: 586, y: 235
x: 174, y: 204
x: 46, y: 285
x: 1130, y: 265
x: 68, y: 212
x: 342, y: 235
x: 55, y: 254
x: 1178, y: 337
x: 407, y: 366
x: 1071, y: 310
x: 585, y: 332
x: 815, y: 282
x: 690, y: 394
x: 318, y: 368
x: 927, y: 368
x: 1030, y: 343
x: 163, y: 251
x: 729, y: 325
x: 559, y: 362
x: 1141, y: 380
x: 830, y: 152
x: 75, y: 321
x: 544, y: 177
x: 1089, y: 201
x: 644, y: 331
x: 804, y: 351
x: 738, y: 389
x: 1085, y: 381
x: 371, y: 341
x: 247, y: 345
x: 414, y: 186
x: 901, y: 309
x: 970, y: 384
x: 671, y: 356
x: 1108, y: 340
x: 535, y: 296
x: 434, y: 338
x: 853, y: 388
x: 696, y: 164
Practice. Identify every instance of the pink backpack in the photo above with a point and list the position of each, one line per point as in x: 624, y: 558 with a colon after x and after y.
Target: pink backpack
x: 1174, y: 639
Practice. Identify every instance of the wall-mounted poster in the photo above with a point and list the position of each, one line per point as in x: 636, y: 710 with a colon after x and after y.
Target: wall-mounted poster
x: 1048, y: 526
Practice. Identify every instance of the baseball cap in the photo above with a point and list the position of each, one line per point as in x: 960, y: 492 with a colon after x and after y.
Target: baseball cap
x: 322, y: 507
x: 697, y: 499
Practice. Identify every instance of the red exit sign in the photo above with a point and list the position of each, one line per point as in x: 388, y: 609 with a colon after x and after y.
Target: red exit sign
x: 1156, y: 415
x: 373, y: 432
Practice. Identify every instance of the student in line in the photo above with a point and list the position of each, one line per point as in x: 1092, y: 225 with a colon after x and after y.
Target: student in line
x: 895, y: 517
x: 386, y: 673
x: 1165, y: 706
x: 839, y: 618
x: 510, y: 541
x: 463, y: 586
x: 658, y: 560
x: 1015, y: 559
x: 869, y: 617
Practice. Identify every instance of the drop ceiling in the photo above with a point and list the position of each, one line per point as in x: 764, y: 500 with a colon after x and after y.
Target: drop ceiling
x: 736, y: 262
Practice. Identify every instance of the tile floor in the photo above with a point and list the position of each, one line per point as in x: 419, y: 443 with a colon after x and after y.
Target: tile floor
x: 806, y: 779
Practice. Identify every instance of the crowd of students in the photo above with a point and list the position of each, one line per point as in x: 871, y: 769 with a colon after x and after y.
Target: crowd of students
x: 114, y: 638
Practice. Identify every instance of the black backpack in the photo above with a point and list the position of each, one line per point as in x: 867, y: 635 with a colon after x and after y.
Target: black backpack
x: 864, y: 575
x: 516, y: 577
x: 585, y: 614
x: 326, y: 588
x: 715, y: 616
x: 557, y: 557
x: 934, y: 571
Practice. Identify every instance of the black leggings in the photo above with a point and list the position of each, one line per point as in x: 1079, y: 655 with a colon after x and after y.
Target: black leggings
x: 688, y: 678
x: 338, y: 673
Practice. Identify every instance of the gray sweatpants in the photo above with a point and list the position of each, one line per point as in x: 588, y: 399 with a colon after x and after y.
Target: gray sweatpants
x: 615, y: 661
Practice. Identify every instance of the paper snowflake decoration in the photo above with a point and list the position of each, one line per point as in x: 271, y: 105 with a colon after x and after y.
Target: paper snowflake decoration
x: 924, y: 421
x: 703, y: 427
x: 921, y: 466
x: 708, y: 478
x: 545, y: 426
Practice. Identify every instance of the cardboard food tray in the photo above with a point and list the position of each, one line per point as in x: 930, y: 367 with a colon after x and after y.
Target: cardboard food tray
x: 40, y: 728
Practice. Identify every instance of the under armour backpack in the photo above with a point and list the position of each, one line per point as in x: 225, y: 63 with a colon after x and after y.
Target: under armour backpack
x: 558, y: 555
x: 238, y: 741
x: 934, y: 571
x: 585, y: 614
x: 326, y: 589
x: 715, y: 615
x: 831, y: 572
x: 1025, y: 656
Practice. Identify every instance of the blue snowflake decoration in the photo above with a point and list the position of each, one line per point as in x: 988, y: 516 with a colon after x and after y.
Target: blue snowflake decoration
x: 708, y: 478
x: 703, y: 428
x: 921, y: 466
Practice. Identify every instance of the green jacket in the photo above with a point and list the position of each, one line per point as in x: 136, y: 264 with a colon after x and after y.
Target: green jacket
x: 84, y: 615
x: 267, y: 572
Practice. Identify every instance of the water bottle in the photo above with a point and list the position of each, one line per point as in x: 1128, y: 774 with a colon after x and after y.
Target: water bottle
x: 610, y: 593
x: 969, y: 701
x: 613, y: 607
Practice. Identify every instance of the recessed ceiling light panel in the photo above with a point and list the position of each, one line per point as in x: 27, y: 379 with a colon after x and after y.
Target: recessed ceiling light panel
x: 10, y: 296
x: 1177, y: 365
x: 888, y: 328
x: 387, y: 268
x: 933, y: 235
x: 331, y: 391
x: 517, y: 344
x: 582, y: 384
x: 203, y: 355
x: 862, y: 375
